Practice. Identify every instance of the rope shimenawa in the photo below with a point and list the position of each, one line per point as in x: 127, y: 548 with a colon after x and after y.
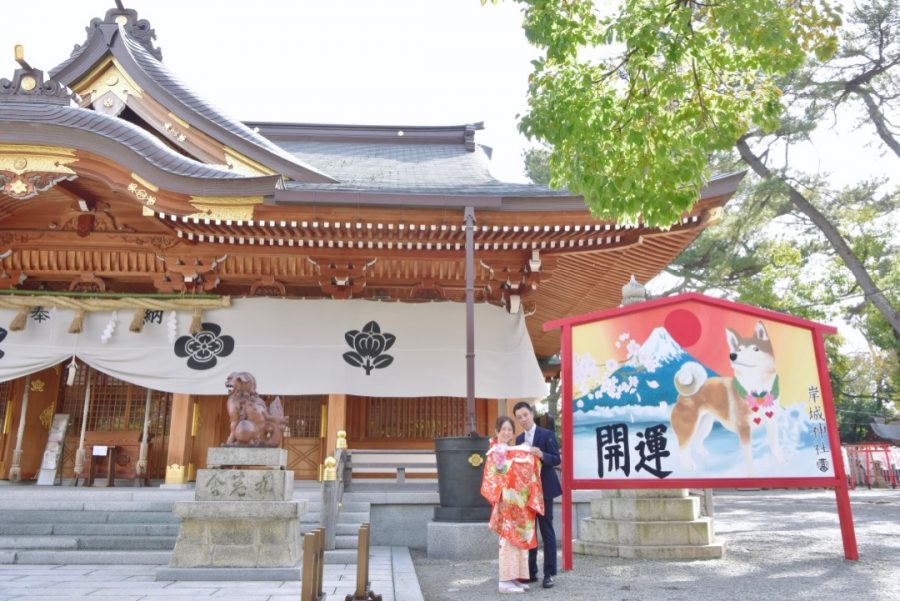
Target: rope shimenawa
x: 85, y: 304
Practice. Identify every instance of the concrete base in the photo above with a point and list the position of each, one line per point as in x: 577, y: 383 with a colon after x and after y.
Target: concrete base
x: 648, y: 524
x: 229, y: 574
x: 217, y: 457
x: 627, y: 532
x: 241, y: 518
x: 244, y: 485
x: 238, y: 543
x: 461, y: 540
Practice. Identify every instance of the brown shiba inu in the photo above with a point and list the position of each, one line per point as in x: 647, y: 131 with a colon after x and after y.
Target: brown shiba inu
x: 747, y: 401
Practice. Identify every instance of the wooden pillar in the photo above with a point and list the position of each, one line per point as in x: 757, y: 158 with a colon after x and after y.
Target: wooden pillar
x: 15, y: 472
x: 336, y: 420
x: 179, y: 451
x: 80, y: 453
x: 142, y: 455
x: 493, y: 409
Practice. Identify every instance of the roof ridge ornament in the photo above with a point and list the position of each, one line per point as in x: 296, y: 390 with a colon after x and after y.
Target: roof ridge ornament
x: 470, y: 136
x: 633, y: 292
x: 28, y: 84
x: 137, y: 29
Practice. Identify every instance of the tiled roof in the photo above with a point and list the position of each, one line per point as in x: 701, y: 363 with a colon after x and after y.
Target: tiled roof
x: 167, y: 80
x: 118, y: 131
x: 406, y: 168
x: 107, y: 35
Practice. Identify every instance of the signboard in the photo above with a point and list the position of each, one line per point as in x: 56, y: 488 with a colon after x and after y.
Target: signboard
x: 700, y: 392
x: 53, y: 450
x: 695, y: 392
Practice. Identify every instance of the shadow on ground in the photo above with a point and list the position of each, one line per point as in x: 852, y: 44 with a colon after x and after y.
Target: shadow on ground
x: 779, y: 545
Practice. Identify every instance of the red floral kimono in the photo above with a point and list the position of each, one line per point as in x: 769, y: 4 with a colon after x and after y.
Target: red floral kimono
x: 512, y: 484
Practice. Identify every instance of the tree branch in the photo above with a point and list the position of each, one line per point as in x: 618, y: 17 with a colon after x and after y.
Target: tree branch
x: 831, y: 233
x: 878, y: 120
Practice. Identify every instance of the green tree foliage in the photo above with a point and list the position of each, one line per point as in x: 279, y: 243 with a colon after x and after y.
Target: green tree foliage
x: 790, y: 240
x: 537, y: 164
x: 633, y: 103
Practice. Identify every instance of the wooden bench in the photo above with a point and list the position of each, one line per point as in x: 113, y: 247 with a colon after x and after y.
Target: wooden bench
x: 400, y: 465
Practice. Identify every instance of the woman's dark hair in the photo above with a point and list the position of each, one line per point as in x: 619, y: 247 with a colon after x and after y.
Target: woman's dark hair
x: 501, y: 420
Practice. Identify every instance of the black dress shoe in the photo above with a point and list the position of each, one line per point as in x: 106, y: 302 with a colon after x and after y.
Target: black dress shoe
x: 548, y: 582
x: 530, y: 580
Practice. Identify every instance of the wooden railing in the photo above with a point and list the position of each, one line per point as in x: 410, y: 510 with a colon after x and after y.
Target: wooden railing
x: 394, y: 461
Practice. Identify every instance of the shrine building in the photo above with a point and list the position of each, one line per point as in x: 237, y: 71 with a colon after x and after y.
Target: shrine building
x: 151, y: 245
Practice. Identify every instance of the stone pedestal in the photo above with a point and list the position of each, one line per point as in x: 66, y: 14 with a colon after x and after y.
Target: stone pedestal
x: 242, y: 517
x: 461, y: 540
x: 648, y: 524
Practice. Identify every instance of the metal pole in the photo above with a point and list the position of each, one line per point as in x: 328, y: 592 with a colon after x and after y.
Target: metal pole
x: 470, y: 318
x: 15, y: 472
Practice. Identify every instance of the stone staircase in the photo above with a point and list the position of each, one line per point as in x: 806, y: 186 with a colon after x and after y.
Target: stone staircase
x: 66, y: 525
x: 355, y: 511
x: 63, y: 525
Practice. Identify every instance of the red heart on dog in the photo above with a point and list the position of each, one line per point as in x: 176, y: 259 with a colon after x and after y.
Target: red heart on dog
x: 769, y: 414
x: 755, y: 408
x: 756, y: 420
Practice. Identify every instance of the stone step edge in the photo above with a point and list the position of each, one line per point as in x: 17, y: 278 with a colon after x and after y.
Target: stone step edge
x: 228, y: 574
x: 714, y: 550
x: 700, y: 520
x: 92, y: 556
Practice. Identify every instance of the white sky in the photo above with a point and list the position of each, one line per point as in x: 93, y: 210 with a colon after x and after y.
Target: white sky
x: 397, y: 62
x: 386, y: 62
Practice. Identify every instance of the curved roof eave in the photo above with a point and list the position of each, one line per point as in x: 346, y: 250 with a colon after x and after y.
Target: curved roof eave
x: 503, y: 197
x: 126, y: 145
x: 165, y: 88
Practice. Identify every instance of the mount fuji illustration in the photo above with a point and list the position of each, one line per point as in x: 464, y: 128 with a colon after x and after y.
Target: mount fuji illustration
x: 645, y: 379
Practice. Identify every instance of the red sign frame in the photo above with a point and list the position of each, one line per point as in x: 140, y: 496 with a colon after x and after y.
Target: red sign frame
x: 838, y: 481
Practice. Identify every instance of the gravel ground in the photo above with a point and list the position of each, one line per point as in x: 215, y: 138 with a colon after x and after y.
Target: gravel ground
x: 779, y: 545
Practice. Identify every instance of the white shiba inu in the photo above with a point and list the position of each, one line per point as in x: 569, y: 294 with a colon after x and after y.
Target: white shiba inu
x: 743, y: 403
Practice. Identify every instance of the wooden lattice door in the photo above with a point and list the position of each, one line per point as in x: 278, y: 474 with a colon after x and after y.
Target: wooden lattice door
x: 305, y: 435
x: 115, y: 406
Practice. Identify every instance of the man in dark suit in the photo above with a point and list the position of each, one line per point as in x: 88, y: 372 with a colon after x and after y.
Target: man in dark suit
x: 544, y: 447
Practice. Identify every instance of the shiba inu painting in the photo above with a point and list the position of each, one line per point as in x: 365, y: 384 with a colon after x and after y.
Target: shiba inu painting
x: 742, y: 404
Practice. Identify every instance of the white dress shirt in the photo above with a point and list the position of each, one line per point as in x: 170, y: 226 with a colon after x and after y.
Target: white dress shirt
x: 529, y: 435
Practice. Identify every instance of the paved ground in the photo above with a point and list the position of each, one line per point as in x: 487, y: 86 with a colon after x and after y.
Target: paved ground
x: 391, y: 574
x: 779, y: 546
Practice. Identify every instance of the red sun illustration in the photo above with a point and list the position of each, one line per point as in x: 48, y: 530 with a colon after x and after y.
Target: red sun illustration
x: 683, y: 326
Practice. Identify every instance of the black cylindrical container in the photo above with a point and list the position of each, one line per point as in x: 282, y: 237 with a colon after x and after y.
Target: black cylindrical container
x: 460, y: 464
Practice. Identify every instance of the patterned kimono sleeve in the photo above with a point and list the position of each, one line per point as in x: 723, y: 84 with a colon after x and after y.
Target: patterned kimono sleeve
x: 535, y: 491
x: 492, y: 482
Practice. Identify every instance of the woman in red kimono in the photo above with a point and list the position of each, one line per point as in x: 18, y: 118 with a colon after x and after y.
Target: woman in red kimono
x: 512, y: 485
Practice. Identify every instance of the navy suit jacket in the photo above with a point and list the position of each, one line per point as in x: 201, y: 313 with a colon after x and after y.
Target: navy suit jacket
x: 545, y: 440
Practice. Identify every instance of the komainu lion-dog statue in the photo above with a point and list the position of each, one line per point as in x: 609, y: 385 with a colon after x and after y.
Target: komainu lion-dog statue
x: 252, y: 423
